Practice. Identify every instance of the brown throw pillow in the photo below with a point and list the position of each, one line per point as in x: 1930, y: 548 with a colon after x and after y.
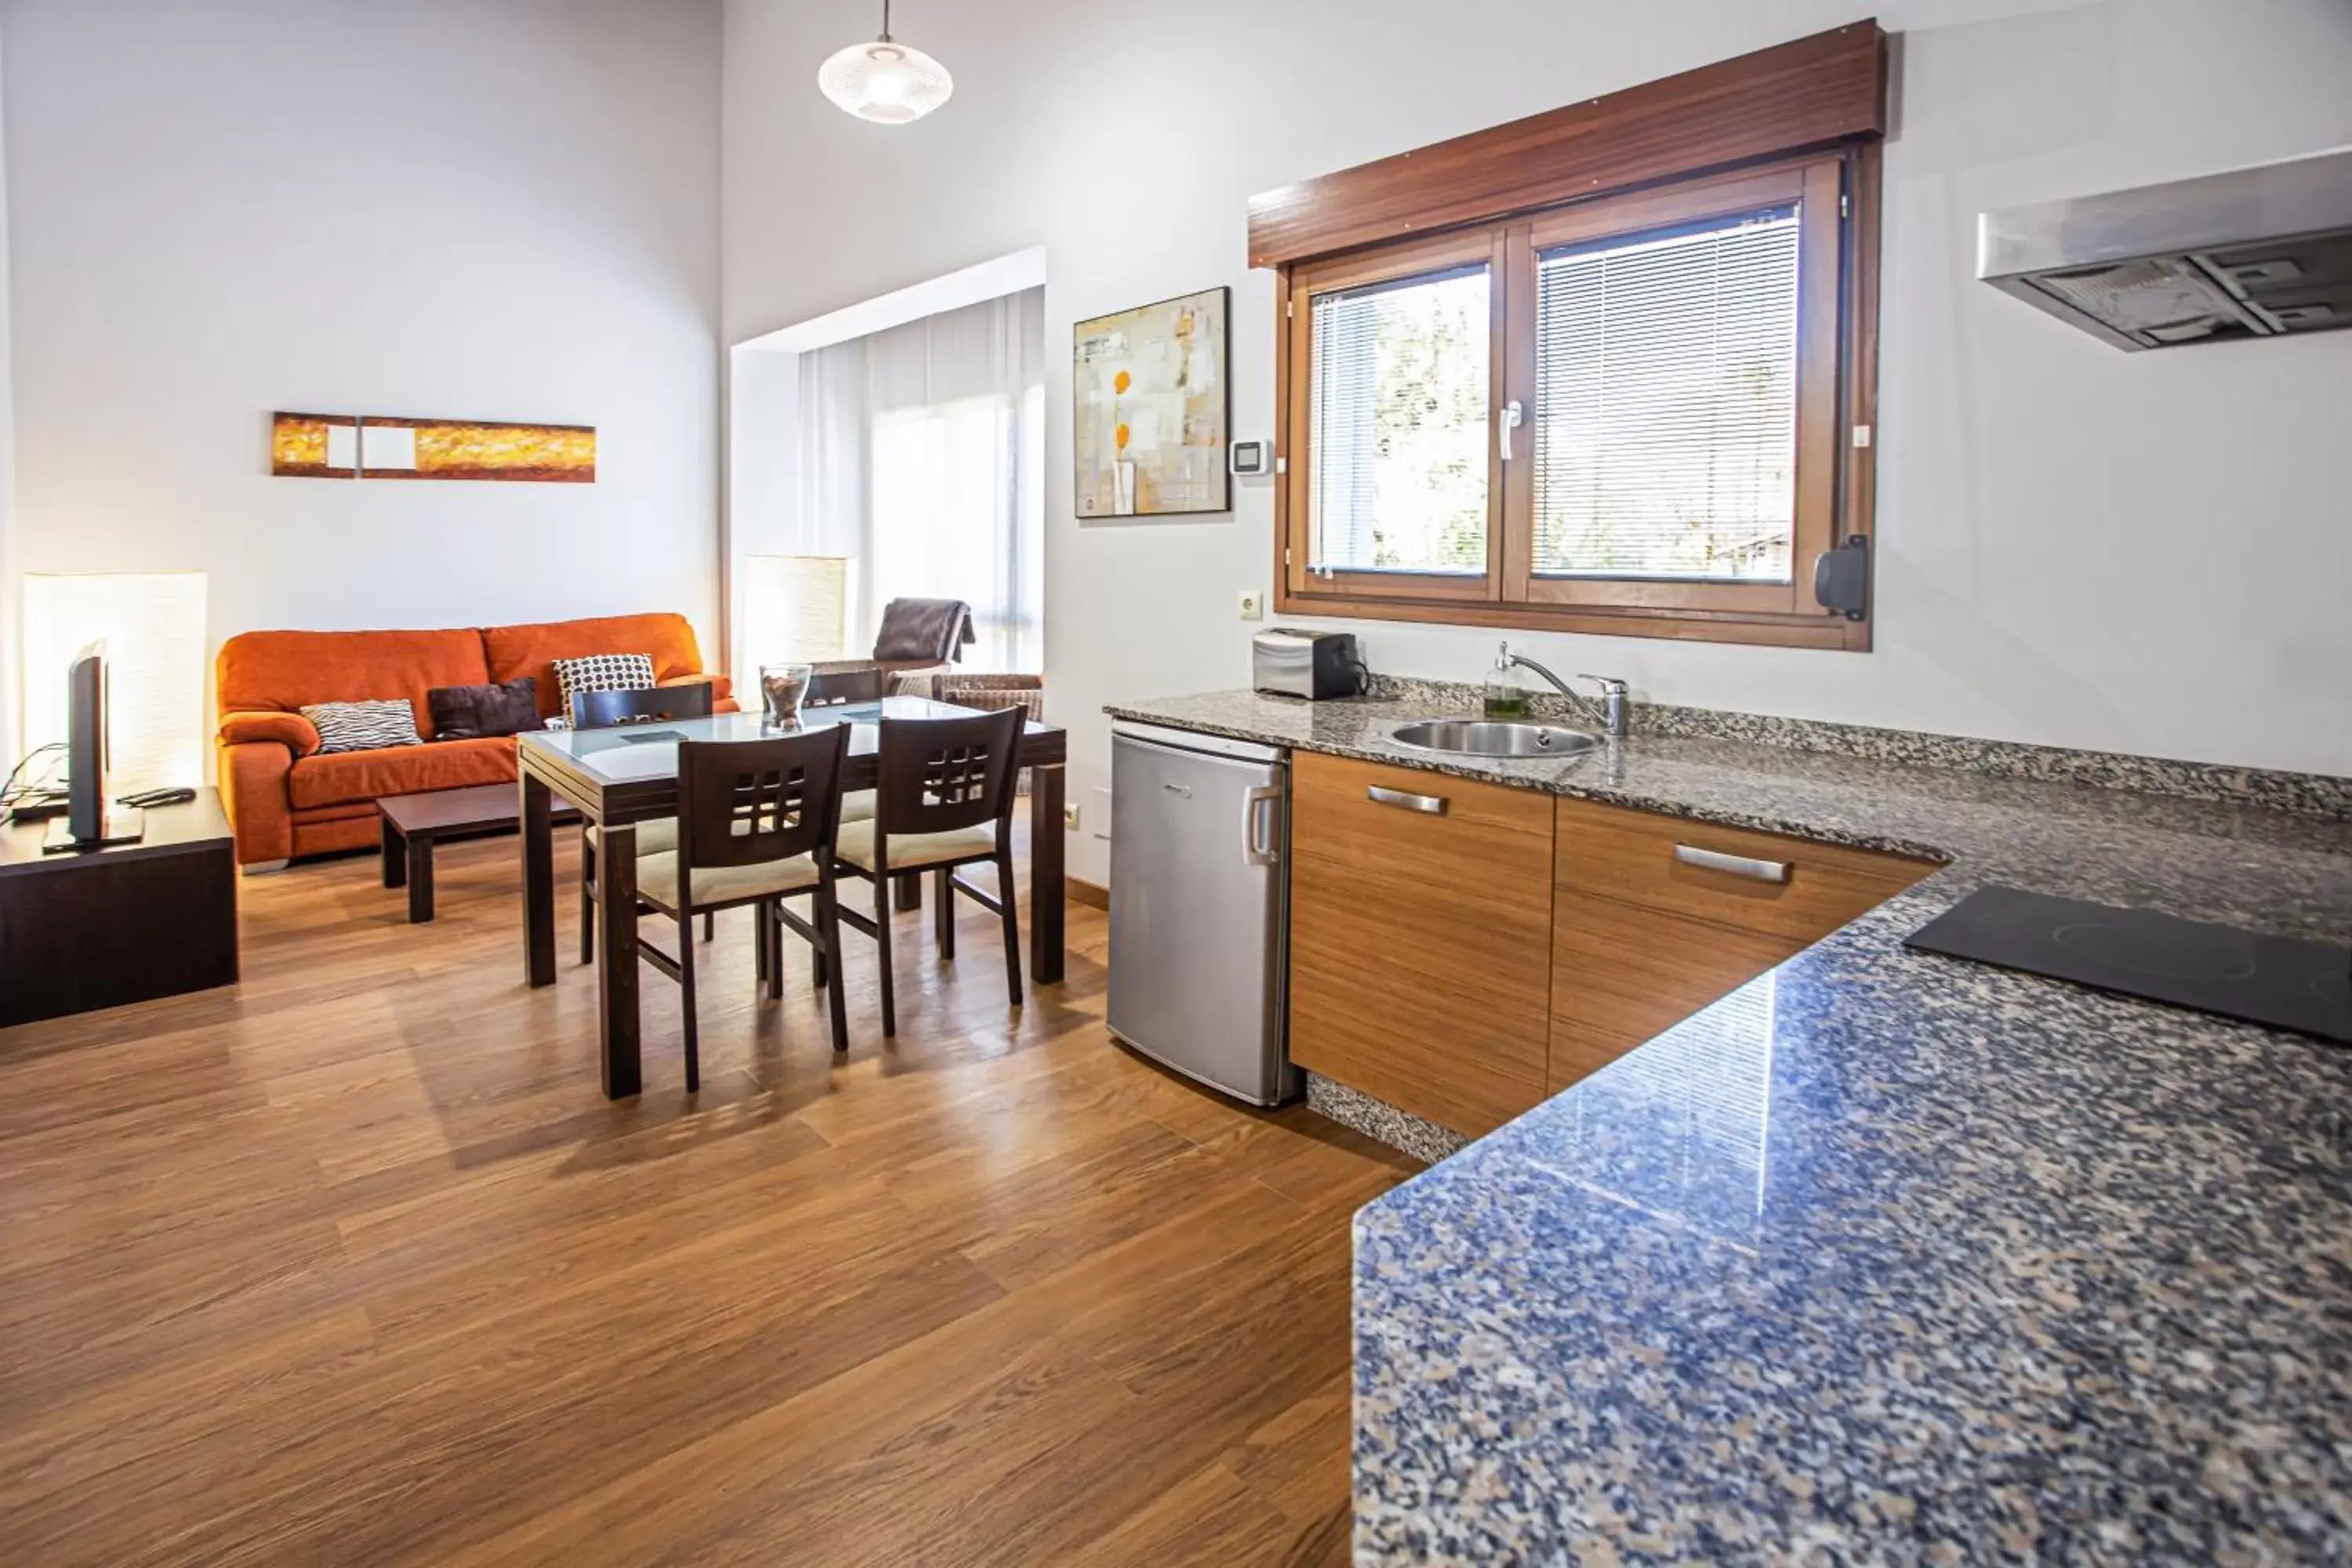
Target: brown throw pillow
x: 470, y: 713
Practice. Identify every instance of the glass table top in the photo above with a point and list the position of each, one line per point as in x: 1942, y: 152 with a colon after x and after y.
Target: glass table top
x: 634, y: 752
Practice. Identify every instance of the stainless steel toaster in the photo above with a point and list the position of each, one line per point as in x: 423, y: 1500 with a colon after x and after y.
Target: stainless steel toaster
x: 1289, y: 661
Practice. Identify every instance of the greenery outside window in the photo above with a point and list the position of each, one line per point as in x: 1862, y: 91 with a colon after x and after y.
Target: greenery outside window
x: 1399, y: 394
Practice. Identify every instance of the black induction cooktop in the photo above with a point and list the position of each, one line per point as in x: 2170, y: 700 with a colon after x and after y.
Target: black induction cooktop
x: 2273, y: 981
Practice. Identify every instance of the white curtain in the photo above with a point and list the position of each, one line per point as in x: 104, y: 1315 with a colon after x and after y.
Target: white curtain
x: 922, y: 458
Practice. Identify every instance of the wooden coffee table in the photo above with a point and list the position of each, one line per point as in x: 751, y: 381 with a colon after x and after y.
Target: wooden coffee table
x: 414, y: 824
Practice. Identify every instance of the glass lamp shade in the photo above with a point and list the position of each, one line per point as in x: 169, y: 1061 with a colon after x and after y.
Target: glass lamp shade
x: 796, y: 608
x: 885, y: 81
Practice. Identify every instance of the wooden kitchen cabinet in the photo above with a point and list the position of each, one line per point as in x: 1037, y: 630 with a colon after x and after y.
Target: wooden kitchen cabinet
x: 1621, y: 974
x: 1696, y: 870
x: 1421, y: 937
x: 1657, y: 916
x: 1462, y: 950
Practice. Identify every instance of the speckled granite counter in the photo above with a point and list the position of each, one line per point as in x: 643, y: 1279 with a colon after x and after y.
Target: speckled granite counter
x: 1885, y: 1256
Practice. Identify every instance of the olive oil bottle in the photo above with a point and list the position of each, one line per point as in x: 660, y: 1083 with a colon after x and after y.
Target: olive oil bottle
x: 1506, y: 691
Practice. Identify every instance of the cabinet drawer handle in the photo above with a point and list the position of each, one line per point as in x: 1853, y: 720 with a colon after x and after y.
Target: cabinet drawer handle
x: 1380, y: 794
x: 1736, y: 865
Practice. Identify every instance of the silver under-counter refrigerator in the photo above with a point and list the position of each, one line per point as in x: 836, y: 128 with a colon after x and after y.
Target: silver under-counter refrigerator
x: 1199, y: 896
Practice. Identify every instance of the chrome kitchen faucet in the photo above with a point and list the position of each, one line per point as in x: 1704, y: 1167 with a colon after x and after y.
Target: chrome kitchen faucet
x: 1612, y: 712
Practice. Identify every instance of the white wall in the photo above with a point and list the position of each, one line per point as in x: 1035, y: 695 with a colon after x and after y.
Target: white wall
x: 9, y: 710
x: 763, y: 413
x: 2078, y: 547
x: 433, y: 207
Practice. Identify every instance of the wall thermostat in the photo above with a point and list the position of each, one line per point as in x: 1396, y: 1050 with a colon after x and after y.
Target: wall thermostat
x: 1252, y: 456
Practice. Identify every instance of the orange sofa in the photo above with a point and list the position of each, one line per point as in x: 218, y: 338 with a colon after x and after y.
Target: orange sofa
x: 283, y: 798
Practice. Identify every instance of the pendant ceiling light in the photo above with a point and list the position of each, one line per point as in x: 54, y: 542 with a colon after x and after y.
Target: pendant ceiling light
x: 885, y: 81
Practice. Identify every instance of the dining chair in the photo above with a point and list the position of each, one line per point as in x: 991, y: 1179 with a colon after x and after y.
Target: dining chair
x: 756, y: 822
x: 828, y: 687
x: 649, y: 705
x: 610, y: 711
x: 943, y: 798
x: 834, y: 689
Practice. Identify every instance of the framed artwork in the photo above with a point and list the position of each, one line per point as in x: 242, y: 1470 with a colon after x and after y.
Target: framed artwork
x: 376, y: 447
x: 1151, y: 397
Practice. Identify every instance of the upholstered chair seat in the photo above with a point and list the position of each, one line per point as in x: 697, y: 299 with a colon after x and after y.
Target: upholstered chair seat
x: 657, y: 879
x: 659, y: 837
x: 911, y: 852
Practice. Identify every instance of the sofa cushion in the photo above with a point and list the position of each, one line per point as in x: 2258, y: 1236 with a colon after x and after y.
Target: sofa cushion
x: 291, y: 731
x: 332, y: 778
x: 470, y: 713
x: 532, y: 650
x: 363, y: 726
x: 333, y: 837
x: 282, y: 671
x: 602, y: 672
x: 347, y: 811
x: 723, y: 690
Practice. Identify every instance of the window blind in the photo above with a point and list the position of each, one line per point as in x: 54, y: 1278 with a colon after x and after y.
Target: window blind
x: 1398, y: 422
x: 1666, y: 402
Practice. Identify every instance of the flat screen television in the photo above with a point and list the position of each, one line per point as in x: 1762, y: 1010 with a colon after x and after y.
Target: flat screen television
x: 88, y: 822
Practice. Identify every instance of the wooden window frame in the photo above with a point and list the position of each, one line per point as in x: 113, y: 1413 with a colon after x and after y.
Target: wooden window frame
x: 1808, y: 117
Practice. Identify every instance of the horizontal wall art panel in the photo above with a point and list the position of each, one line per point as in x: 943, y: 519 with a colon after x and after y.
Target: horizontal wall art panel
x: 314, y: 446
x: 377, y: 447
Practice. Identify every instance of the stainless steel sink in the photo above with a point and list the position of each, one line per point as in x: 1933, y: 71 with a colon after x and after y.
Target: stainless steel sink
x: 1484, y: 738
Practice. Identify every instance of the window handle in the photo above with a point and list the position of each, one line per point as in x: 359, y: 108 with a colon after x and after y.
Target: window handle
x: 1506, y: 419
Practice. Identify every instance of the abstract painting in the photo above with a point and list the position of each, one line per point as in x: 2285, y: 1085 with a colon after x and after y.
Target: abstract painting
x: 376, y: 446
x: 477, y: 449
x: 1150, y: 393
x: 314, y: 446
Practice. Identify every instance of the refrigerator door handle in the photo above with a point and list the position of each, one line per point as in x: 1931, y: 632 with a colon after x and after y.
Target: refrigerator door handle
x: 1257, y: 848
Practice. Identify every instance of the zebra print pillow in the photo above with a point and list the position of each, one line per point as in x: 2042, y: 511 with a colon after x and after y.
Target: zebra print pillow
x: 363, y: 726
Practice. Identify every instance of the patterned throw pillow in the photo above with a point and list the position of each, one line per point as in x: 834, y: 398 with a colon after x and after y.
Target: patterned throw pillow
x: 363, y: 726
x: 604, y: 672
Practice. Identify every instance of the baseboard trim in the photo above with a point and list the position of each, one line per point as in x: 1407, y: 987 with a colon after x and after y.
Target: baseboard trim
x: 1382, y: 1122
x: 1078, y: 890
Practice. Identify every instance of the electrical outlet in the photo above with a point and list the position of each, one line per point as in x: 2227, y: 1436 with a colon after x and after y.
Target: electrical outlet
x: 1252, y: 605
x: 1070, y: 816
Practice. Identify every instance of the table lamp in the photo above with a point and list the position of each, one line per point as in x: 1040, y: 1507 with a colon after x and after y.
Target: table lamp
x: 152, y: 624
x: 796, y: 608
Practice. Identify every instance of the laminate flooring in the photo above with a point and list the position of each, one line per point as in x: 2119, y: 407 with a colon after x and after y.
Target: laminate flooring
x: 352, y: 1263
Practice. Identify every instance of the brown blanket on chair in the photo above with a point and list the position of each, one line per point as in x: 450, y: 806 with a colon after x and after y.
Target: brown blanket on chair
x: 932, y: 629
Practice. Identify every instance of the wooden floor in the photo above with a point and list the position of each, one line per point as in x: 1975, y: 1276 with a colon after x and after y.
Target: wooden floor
x: 354, y: 1264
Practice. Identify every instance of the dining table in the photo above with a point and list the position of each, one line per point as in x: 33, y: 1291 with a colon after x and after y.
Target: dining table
x: 621, y: 776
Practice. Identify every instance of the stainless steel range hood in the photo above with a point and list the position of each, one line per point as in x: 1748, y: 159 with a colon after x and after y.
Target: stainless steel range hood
x: 2262, y: 252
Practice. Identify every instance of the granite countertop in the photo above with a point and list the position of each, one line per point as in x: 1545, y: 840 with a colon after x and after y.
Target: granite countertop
x: 1885, y: 1256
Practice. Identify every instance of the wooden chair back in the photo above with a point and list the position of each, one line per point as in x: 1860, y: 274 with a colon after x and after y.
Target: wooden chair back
x: 659, y: 704
x: 828, y: 687
x: 939, y: 774
x: 746, y: 803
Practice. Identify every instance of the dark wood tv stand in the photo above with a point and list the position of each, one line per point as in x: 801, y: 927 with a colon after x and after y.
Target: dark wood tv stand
x: 97, y: 928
